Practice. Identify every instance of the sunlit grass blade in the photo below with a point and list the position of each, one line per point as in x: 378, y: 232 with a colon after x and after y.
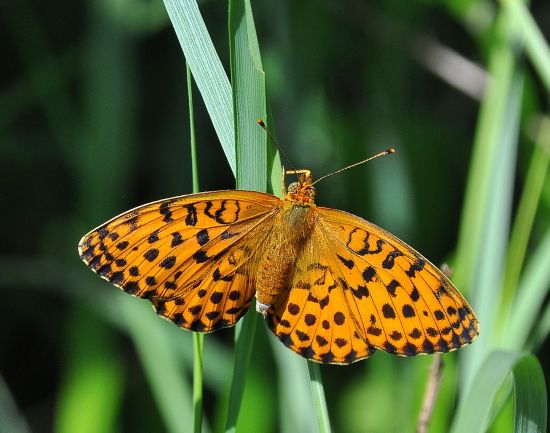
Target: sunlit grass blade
x: 530, y: 399
x: 533, y: 290
x: 318, y: 393
x: 207, y: 70
x: 249, y: 104
x: 477, y: 408
x: 295, y: 399
x: 517, y: 322
x: 158, y: 354
x: 489, y: 195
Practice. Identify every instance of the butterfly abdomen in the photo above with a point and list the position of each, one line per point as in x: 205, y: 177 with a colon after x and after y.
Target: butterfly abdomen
x: 292, y: 228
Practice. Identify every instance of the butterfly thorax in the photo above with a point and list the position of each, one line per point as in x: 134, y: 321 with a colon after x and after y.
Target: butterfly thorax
x: 291, y: 230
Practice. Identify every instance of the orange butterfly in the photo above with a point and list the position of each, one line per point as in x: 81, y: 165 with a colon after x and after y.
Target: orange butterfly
x: 332, y: 286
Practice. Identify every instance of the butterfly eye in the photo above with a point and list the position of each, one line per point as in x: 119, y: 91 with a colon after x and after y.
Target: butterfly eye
x: 293, y: 188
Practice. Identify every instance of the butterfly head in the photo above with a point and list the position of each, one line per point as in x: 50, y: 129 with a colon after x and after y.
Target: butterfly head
x: 301, y: 192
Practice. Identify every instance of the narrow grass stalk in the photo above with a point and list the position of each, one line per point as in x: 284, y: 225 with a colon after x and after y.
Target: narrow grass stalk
x: 521, y: 232
x: 318, y: 393
x: 192, y: 136
x: 198, y: 338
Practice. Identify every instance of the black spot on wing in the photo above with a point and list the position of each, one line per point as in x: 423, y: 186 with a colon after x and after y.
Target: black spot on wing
x: 191, y: 218
x: 202, y: 237
x: 348, y: 263
x: 389, y: 261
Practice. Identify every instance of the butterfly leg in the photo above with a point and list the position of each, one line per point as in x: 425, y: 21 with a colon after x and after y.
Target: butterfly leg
x: 283, y: 182
x: 262, y: 308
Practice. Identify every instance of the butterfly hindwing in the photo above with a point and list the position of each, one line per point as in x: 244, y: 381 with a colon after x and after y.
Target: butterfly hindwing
x: 405, y: 304
x: 312, y: 316
x: 188, y: 255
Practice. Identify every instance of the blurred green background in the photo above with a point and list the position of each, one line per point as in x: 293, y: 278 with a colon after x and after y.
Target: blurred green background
x: 94, y: 121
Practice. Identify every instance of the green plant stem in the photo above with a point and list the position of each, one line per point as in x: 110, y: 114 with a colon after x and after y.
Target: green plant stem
x: 192, y: 137
x: 198, y: 339
x: 318, y: 393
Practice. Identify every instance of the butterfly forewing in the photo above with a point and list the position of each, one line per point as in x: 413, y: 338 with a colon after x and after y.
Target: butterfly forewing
x: 190, y: 255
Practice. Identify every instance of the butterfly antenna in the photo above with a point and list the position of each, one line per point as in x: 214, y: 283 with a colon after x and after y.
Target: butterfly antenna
x: 378, y: 155
x: 264, y: 127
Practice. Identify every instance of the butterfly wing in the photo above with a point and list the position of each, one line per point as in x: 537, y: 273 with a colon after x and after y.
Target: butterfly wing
x: 358, y: 288
x: 191, y: 256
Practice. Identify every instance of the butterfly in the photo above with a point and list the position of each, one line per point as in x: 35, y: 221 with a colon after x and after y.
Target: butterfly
x: 331, y: 286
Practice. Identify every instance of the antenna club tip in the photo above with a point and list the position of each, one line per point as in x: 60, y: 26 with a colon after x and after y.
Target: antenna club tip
x: 390, y: 150
x: 260, y: 122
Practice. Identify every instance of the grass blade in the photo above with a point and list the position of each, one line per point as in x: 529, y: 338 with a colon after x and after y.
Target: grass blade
x: 11, y: 418
x: 207, y: 70
x: 318, y: 393
x: 159, y: 356
x: 476, y: 409
x: 248, y: 81
x: 530, y: 399
x: 517, y: 323
x: 487, y: 209
x: 534, y: 287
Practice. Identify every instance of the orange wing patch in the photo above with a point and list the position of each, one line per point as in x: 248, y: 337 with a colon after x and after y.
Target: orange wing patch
x: 190, y: 255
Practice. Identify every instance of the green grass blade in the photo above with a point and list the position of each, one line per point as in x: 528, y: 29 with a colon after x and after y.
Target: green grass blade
x: 296, y: 407
x: 487, y: 209
x: 192, y: 135
x: 543, y: 327
x: 535, y: 45
x: 517, y: 322
x: 318, y: 393
x: 248, y: 81
x: 159, y: 356
x: 475, y: 411
x: 11, y: 419
x: 530, y: 399
x: 198, y: 350
x: 249, y: 97
x: 207, y: 70
x: 532, y: 292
